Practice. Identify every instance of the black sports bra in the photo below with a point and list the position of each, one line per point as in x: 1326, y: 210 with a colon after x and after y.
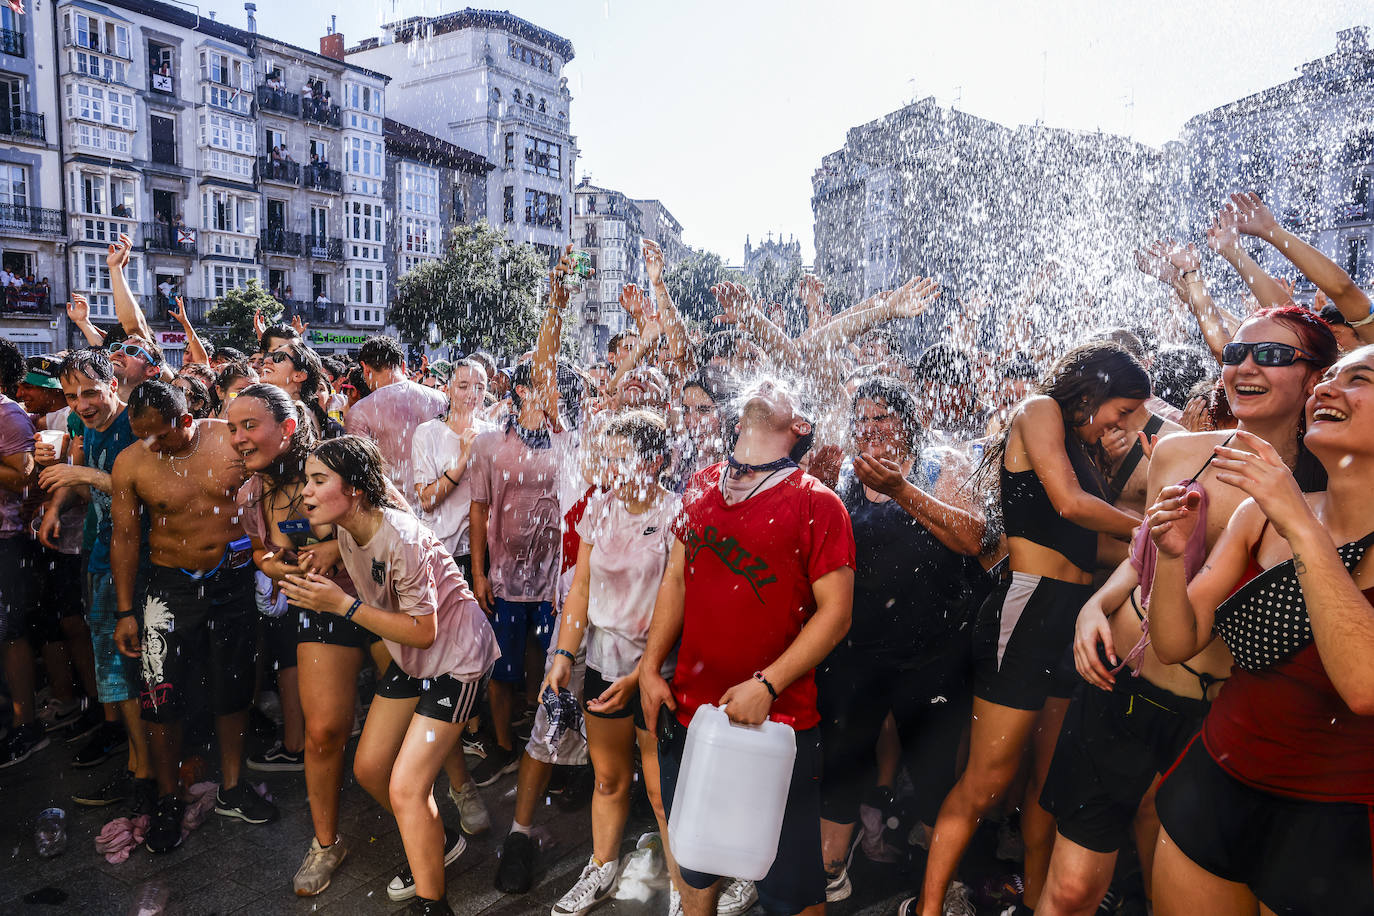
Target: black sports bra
x: 1028, y: 513
x: 1264, y: 623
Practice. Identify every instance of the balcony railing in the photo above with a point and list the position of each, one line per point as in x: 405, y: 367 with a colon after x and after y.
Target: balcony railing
x: 156, y: 306
x: 323, y: 248
x: 321, y: 112
x: 279, y: 241
x: 23, y: 125
x: 279, y: 101
x: 270, y: 169
x: 26, y: 300
x: 166, y: 237
x: 33, y: 220
x: 313, y: 312
x: 322, y: 179
x: 12, y: 42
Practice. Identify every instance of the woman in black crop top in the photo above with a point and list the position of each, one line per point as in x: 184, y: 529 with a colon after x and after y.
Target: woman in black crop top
x: 1053, y: 508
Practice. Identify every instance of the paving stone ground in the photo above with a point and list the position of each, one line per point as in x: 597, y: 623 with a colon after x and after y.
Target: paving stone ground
x: 227, y: 866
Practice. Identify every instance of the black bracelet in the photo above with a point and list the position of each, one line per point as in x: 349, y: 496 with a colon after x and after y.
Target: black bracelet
x: 450, y: 479
x: 758, y: 676
x: 357, y: 603
x: 120, y: 615
x: 566, y: 654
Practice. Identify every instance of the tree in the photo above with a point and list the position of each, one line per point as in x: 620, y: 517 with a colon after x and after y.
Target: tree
x: 232, y: 316
x: 690, y: 282
x: 774, y: 286
x: 484, y: 293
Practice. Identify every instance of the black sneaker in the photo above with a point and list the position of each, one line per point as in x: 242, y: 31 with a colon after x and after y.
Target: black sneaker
x: 515, y: 874
x: 277, y: 759
x: 402, y: 887
x: 245, y: 804
x: 106, y: 741
x: 164, y: 830
x: 496, y: 764
x: 422, y: 907
x: 119, y: 787
x: 92, y: 717
x: 22, y: 744
x: 144, y: 798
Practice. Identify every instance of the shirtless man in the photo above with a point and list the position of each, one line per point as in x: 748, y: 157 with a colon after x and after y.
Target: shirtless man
x: 198, y: 618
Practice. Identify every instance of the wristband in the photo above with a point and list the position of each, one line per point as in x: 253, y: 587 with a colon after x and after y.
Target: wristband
x: 566, y: 654
x: 1362, y: 322
x: 357, y: 603
x: 450, y: 479
x: 1195, y: 272
x: 120, y: 615
x: 758, y: 676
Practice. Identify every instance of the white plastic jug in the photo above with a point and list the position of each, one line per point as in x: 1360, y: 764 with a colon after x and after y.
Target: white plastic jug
x: 731, y: 794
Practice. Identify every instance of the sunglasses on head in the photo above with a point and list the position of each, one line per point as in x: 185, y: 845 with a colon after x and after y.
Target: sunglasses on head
x: 1265, y: 353
x: 133, y: 350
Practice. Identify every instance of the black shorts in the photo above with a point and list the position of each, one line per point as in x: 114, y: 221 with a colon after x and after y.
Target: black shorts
x: 594, y: 685
x: 1023, y: 641
x: 797, y: 878
x: 330, y: 629
x: 279, y: 638
x: 198, y: 636
x: 1110, y: 750
x: 930, y: 703
x: 1296, y: 856
x: 16, y: 586
x: 55, y: 592
x: 444, y: 698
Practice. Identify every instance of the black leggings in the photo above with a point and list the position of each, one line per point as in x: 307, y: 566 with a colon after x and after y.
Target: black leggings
x: 931, y: 704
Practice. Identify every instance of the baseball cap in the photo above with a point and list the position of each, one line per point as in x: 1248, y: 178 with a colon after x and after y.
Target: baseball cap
x: 42, y: 372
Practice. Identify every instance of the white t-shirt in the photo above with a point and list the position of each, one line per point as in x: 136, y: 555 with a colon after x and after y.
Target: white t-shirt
x: 629, y: 555
x: 434, y: 451
x: 405, y: 569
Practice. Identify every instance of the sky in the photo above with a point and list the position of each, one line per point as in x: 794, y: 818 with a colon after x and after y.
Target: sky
x: 723, y: 109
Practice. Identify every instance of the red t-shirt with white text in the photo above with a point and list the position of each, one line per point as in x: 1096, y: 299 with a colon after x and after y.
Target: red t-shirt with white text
x: 749, y: 570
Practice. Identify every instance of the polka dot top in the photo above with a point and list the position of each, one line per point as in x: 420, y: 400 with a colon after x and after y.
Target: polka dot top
x: 1265, y: 622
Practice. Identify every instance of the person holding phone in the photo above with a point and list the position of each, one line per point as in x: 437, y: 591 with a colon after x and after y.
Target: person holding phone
x: 197, y: 620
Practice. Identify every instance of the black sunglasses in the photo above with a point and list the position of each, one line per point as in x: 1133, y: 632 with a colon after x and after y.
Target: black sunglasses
x: 1266, y: 353
x: 280, y: 356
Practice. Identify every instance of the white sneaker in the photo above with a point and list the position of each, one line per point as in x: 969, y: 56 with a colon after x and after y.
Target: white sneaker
x: 838, y: 888
x: 736, y: 898
x: 593, y: 887
x: 472, y: 811
x: 674, y: 902
x: 318, y: 868
x: 957, y: 901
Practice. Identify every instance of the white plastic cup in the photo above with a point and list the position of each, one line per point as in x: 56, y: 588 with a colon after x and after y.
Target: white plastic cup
x: 53, y: 437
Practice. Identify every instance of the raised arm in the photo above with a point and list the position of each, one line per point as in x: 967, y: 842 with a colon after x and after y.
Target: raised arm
x: 195, y: 350
x: 951, y: 520
x: 79, y: 314
x: 1224, y: 238
x: 908, y: 301
x: 1255, y: 219
x: 737, y: 306
x: 674, y: 328
x: 545, y: 363
x: 1180, y: 267
x: 127, y: 309
x: 1040, y: 425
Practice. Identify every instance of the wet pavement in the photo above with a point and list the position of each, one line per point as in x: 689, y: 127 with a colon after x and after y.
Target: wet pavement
x: 227, y: 866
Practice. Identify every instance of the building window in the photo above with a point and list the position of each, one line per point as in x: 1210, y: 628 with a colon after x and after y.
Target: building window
x: 529, y: 56
x: 221, y: 278
x: 363, y: 229
x: 364, y: 285
x: 543, y: 209
x: 226, y: 133
x: 363, y: 98
x: 95, y: 34
x: 101, y: 105
x: 419, y: 189
x: 508, y: 205
x: 91, y: 275
x: 543, y: 157
x: 223, y: 211
x: 510, y: 150
x: 363, y: 162
x: 14, y: 186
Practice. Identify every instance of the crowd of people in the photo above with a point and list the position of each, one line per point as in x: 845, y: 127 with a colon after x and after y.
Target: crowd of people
x: 1107, y: 596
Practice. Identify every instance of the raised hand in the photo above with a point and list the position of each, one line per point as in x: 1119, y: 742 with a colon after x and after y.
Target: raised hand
x: 1224, y: 234
x: 733, y: 299
x: 1183, y: 257
x: 178, y: 310
x: 914, y: 296
x: 117, y: 257
x: 1173, y: 518
x: 559, y: 292
x: 812, y: 295
x: 636, y: 304
x: 1262, y: 475
x: 300, y: 326
x: 78, y: 310
x: 1253, y: 216
x: 259, y: 323
x: 1153, y: 261
x: 653, y: 261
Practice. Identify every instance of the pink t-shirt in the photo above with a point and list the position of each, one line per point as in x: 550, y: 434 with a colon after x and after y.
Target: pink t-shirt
x: 405, y: 569
x: 389, y: 417
x: 16, y: 437
x: 519, y: 484
x: 253, y: 514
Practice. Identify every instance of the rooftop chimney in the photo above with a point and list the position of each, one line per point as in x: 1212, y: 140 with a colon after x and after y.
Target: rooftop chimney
x: 252, y: 9
x: 332, y: 44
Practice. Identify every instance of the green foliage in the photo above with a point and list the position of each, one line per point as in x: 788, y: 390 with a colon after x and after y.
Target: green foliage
x: 231, y: 318
x: 482, y: 294
x: 774, y: 286
x: 690, y: 282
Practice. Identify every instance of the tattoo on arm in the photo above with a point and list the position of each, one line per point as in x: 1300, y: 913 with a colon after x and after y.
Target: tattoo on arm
x: 1299, y: 566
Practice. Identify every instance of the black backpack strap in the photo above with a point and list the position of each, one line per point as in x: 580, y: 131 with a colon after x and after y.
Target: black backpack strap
x: 1132, y: 460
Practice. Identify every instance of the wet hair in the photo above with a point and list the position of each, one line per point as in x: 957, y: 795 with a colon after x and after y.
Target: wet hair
x: 1124, y: 338
x: 487, y: 361
x: 229, y: 353
x: 718, y: 384
x: 944, y: 364
x: 167, y: 400
x: 92, y: 362
x: 643, y: 429
x: 289, y: 466
x: 1176, y: 371
x: 197, y: 395
x: 1089, y: 376
x: 1314, y: 335
x: 382, y: 352
x: 334, y: 367
x: 355, y: 378
x: 278, y: 331
x: 899, y: 401
x: 720, y: 345
x: 198, y: 371
x: 570, y: 383
x: 1019, y: 366
x: 362, y: 467
x: 615, y: 341
x: 305, y: 360
x: 12, y: 366
x: 149, y: 346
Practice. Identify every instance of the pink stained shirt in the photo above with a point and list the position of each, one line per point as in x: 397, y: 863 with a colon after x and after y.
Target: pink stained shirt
x: 389, y: 417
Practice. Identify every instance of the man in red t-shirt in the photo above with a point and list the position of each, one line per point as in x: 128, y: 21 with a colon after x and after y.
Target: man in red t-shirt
x: 758, y: 588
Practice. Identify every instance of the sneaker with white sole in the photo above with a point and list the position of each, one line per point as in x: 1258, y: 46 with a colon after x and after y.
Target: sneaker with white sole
x: 277, y: 759
x: 245, y: 804
x: 838, y: 887
x: 318, y: 869
x: 473, y: 816
x: 674, y: 902
x: 402, y: 887
x: 594, y: 885
x: 736, y: 897
x: 496, y: 764
x: 957, y: 901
